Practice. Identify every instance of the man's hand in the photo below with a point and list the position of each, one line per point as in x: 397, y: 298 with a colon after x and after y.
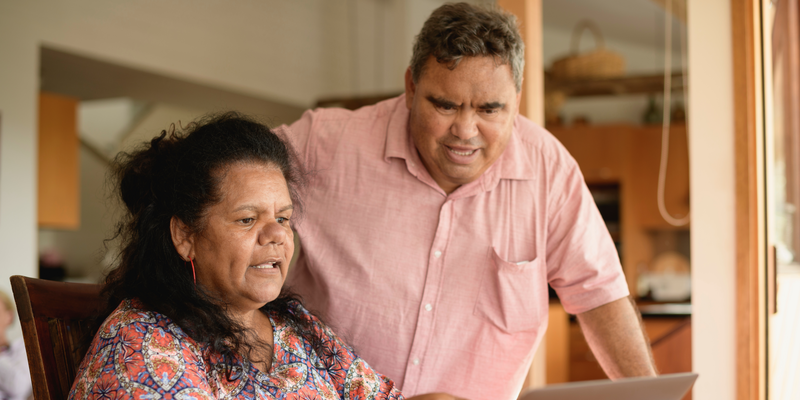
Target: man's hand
x: 614, y: 332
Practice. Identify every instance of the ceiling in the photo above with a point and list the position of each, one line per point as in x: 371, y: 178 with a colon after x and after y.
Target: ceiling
x: 91, y: 79
x: 113, y: 97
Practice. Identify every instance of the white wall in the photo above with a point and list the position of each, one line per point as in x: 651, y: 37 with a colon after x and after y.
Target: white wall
x: 370, y: 42
x: 711, y: 161
x: 102, y: 123
x: 18, y: 102
x: 158, y: 118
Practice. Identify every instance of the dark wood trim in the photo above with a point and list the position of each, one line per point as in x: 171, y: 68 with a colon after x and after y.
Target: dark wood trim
x: 749, y: 384
x: 54, y: 317
x: 672, y: 332
x: 28, y: 322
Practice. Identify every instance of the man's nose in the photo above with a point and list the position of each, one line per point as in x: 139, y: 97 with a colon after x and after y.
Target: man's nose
x: 272, y: 233
x: 465, y: 125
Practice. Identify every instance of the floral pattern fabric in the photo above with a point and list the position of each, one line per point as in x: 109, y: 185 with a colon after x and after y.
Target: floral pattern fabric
x: 144, y: 355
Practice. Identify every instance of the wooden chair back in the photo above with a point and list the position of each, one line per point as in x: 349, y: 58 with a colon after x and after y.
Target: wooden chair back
x: 56, y: 324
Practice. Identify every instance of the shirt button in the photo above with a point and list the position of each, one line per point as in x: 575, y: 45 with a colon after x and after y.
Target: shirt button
x: 428, y: 307
x: 415, y: 361
x: 437, y: 254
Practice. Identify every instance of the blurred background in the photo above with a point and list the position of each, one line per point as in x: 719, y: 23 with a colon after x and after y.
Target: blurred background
x: 83, y: 80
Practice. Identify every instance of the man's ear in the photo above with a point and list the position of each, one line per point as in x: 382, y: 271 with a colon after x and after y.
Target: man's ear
x: 519, y: 99
x: 182, y: 238
x: 411, y: 88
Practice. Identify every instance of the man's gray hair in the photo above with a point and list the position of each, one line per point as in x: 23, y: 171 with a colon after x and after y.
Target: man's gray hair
x: 458, y: 30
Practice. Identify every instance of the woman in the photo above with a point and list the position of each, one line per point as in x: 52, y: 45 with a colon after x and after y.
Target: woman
x: 196, y: 304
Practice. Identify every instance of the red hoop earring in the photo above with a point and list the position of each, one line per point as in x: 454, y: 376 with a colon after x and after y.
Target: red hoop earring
x: 194, y: 277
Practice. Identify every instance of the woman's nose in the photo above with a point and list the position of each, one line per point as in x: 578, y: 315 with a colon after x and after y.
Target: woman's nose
x: 272, y: 233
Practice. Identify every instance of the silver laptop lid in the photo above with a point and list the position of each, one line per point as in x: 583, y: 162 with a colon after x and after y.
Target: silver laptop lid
x: 663, y: 387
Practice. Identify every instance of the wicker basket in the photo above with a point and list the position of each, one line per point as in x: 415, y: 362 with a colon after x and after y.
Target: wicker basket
x: 598, y: 63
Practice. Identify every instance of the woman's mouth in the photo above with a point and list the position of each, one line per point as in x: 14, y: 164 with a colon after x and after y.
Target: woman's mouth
x: 267, y: 265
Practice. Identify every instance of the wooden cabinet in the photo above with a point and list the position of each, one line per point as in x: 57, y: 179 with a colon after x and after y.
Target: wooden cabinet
x: 557, y: 344
x: 59, y: 169
x: 601, y: 151
x: 670, y: 338
x: 629, y: 155
x: 645, y: 157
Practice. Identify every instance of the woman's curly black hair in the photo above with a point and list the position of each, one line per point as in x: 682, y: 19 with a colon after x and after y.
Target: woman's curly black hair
x: 178, y: 174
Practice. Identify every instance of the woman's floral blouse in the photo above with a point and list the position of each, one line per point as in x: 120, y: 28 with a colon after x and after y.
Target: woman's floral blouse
x: 144, y: 355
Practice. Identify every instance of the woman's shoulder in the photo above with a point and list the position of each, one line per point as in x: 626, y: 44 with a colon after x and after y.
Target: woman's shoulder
x: 157, y: 355
x: 132, y: 317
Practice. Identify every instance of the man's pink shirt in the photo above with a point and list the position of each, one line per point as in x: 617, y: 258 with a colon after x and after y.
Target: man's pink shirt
x: 444, y: 293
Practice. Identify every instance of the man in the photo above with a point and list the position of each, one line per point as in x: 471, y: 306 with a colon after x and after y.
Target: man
x: 435, y: 221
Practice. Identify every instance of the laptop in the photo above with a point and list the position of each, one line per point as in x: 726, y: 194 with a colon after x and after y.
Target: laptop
x: 663, y: 387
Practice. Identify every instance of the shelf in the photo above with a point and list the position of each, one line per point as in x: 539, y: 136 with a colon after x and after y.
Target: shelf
x: 632, y: 84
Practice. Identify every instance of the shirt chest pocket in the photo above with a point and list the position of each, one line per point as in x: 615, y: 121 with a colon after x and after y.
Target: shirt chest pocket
x: 512, y: 296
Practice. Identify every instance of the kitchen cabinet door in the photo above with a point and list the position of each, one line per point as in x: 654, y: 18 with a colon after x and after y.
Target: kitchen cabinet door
x: 59, y: 170
x: 601, y: 151
x: 645, y: 157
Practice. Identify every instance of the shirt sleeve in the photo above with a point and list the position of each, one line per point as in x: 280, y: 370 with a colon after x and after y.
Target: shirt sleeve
x: 298, y: 134
x: 317, y: 136
x: 141, y: 359
x: 352, y: 377
x: 583, y: 264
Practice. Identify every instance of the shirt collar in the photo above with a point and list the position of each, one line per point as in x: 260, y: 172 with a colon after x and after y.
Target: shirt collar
x: 398, y: 143
x: 514, y: 163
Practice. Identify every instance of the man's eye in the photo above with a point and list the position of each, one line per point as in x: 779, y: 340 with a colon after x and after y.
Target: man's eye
x: 282, y: 220
x: 490, y: 111
x: 247, y: 221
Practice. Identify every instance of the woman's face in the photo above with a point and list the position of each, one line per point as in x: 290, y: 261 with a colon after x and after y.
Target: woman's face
x: 244, y: 250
